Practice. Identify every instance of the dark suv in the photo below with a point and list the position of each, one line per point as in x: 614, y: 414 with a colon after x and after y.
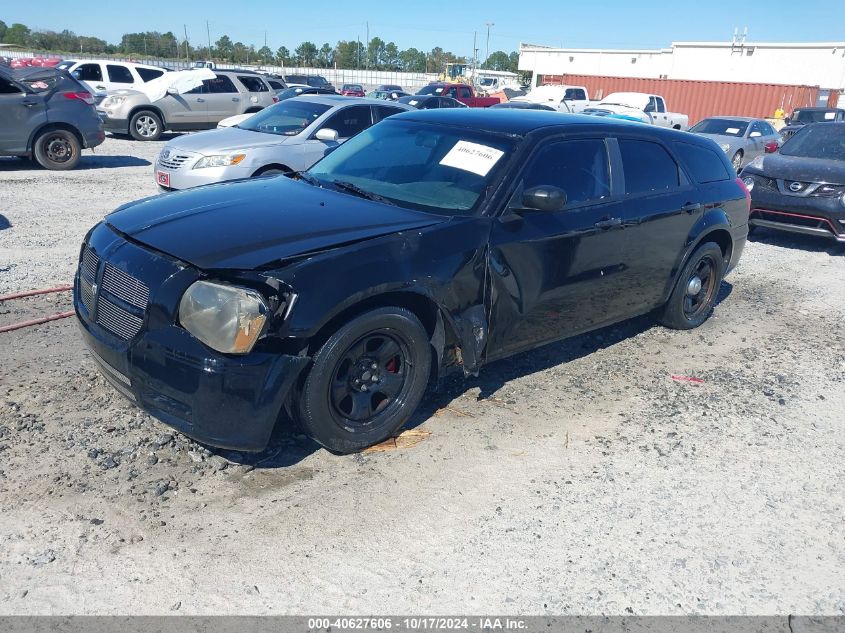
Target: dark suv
x: 46, y: 114
x: 434, y: 240
x: 804, y: 116
x: 315, y: 81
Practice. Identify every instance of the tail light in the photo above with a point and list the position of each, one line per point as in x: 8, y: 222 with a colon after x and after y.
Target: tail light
x: 275, y: 99
x: 87, y: 97
x: 771, y: 147
x: 746, y: 192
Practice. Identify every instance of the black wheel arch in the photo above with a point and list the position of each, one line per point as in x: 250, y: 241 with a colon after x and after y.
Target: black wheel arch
x: 47, y: 127
x: 264, y: 168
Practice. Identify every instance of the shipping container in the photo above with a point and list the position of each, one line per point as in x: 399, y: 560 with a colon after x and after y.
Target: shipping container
x: 699, y: 99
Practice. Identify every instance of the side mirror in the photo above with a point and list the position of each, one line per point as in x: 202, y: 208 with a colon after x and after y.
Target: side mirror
x: 326, y: 134
x: 172, y: 91
x: 755, y: 135
x: 771, y: 147
x: 544, y: 198
x: 787, y: 120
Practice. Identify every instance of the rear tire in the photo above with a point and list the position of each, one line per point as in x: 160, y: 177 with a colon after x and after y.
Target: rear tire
x: 57, y: 150
x: 366, y: 380
x: 692, y: 300
x: 145, y: 125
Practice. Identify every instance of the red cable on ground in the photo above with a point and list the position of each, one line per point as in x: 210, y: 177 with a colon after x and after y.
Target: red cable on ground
x: 32, y: 293
x: 46, y: 319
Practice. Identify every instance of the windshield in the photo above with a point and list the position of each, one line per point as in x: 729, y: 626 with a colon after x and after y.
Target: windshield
x: 353, y: 87
x: 723, y: 127
x: 431, y: 168
x: 812, y: 116
x: 317, y: 82
x: 291, y: 92
x: 65, y: 64
x: 817, y: 141
x: 487, y: 81
x: 288, y: 118
x: 431, y: 89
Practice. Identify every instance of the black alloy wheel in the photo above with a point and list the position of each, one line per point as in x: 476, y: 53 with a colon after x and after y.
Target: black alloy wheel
x: 365, y: 381
x: 696, y: 290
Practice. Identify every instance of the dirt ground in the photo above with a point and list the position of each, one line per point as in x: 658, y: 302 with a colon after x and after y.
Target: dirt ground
x: 579, y: 478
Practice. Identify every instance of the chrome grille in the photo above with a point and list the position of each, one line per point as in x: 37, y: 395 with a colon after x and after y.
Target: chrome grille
x: 173, y: 161
x: 86, y: 293
x: 126, y: 287
x: 117, y: 320
x: 89, y: 263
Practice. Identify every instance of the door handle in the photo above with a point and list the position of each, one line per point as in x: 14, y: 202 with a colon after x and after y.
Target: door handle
x: 608, y: 223
x: 236, y: 98
x: 200, y: 100
x: 691, y: 207
x: 28, y: 104
x: 100, y: 87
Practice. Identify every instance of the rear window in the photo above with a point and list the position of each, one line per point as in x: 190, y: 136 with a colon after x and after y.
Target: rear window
x: 648, y: 167
x: 275, y: 85
x: 119, y: 74
x: 296, y: 79
x: 703, y: 164
x: 253, y: 84
x: 148, y: 74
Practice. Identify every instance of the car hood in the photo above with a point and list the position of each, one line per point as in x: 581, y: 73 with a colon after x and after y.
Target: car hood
x: 251, y: 223
x: 225, y: 139
x: 803, y: 169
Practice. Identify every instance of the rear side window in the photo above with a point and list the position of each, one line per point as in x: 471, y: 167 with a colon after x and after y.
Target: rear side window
x: 574, y: 94
x: 119, y: 74
x: 703, y: 164
x: 648, y: 167
x: 148, y: 74
x: 382, y: 112
x: 275, y: 85
x: 89, y: 72
x: 578, y: 167
x: 349, y: 121
x: 253, y: 84
x: 220, y: 84
x: 8, y: 88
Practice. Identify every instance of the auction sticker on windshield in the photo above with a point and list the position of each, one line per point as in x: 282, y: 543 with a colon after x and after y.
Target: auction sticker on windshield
x: 478, y: 159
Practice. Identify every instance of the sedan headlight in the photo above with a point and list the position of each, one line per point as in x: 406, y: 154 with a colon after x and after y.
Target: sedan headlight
x: 112, y: 101
x: 228, y: 319
x: 748, y: 181
x: 222, y: 160
x: 725, y: 147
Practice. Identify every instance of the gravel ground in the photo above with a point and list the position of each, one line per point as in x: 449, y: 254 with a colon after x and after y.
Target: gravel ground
x: 579, y: 478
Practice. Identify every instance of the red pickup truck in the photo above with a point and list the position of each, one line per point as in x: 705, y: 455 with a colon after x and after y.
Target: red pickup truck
x: 462, y: 92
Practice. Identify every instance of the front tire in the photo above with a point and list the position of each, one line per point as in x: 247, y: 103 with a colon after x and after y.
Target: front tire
x: 694, y: 296
x: 57, y: 150
x: 736, y: 161
x: 145, y: 126
x: 366, y: 380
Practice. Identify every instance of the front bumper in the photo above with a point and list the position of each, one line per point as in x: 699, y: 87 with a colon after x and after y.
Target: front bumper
x: 218, y: 399
x: 184, y: 177
x: 807, y: 215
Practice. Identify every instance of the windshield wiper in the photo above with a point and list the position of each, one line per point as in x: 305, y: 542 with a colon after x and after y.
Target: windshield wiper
x: 363, y: 193
x: 304, y: 175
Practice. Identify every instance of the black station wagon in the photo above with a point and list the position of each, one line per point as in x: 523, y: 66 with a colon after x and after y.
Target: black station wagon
x: 434, y: 240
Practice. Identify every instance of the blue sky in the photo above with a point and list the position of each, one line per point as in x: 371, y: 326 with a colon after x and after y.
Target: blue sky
x: 447, y: 23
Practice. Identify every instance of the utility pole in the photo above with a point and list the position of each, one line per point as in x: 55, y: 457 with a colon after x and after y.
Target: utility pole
x: 368, y: 46
x: 487, y: 56
x: 474, y: 53
x: 208, y: 32
x: 185, y: 26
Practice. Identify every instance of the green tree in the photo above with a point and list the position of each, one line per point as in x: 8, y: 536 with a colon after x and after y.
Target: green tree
x: 239, y: 52
x: 224, y: 47
x: 412, y: 60
x: 514, y: 62
x: 390, y: 58
x: 16, y: 34
x: 306, y: 54
x: 498, y: 60
x: 264, y: 54
x: 375, y: 53
x: 283, y: 56
x: 3, y: 29
x: 325, y: 57
x: 347, y: 53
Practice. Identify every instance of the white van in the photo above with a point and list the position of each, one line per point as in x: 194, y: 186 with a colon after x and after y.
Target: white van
x: 102, y: 75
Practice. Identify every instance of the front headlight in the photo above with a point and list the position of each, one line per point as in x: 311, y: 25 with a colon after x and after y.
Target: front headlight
x: 112, y: 101
x: 725, y: 147
x: 222, y: 160
x: 228, y: 319
x: 748, y: 181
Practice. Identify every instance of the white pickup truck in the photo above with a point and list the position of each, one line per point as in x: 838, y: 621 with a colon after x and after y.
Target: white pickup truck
x: 639, y: 106
x: 562, y: 98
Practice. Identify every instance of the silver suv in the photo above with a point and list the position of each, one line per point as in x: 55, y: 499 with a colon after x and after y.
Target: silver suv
x: 229, y: 93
